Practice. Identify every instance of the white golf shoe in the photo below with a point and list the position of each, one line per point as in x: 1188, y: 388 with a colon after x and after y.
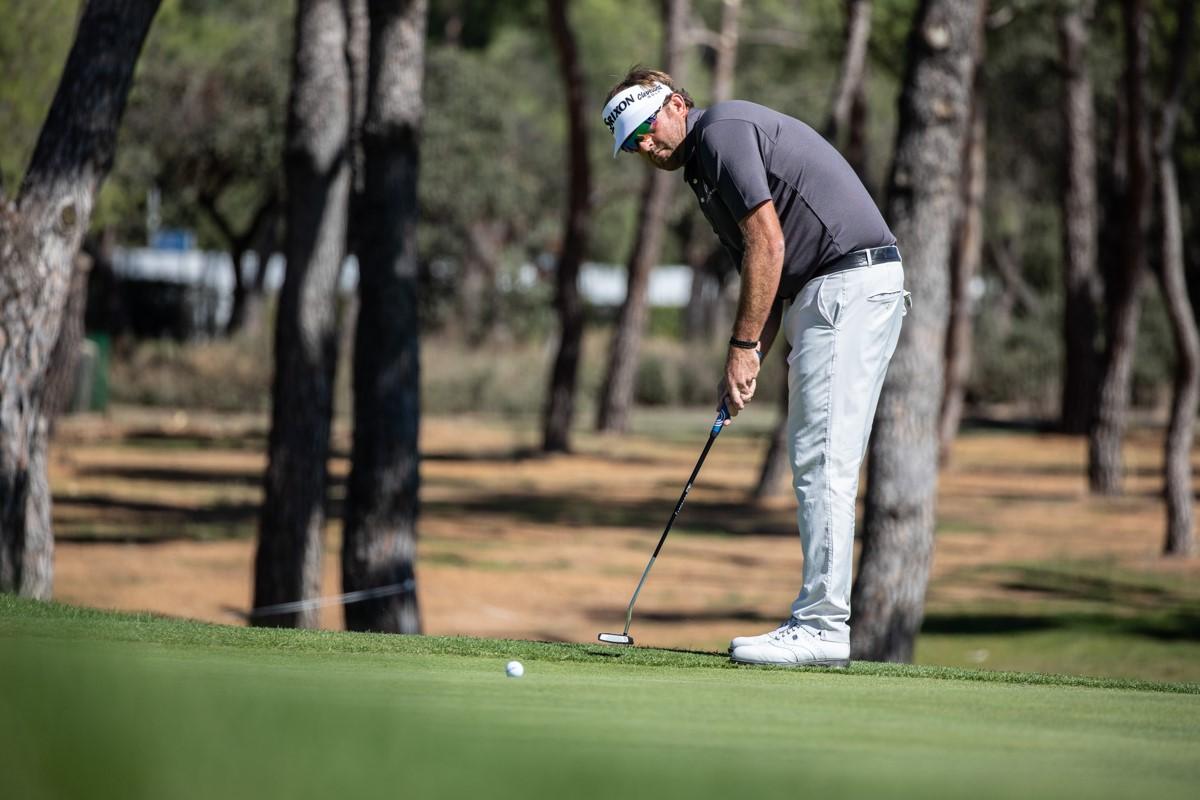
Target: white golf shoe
x: 742, y: 641
x: 794, y: 645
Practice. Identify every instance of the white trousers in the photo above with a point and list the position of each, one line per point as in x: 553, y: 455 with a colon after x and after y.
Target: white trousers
x: 842, y: 329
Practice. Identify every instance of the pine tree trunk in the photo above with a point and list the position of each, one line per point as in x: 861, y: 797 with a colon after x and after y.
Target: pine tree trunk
x: 1081, y: 281
x: 704, y: 292
x: 39, y: 238
x: 776, y: 464
x: 889, y: 593
x: 239, y: 245
x: 380, y: 536
x: 616, y: 394
x: 1105, y: 468
x: 851, y: 78
x: 560, y: 400
x: 317, y: 170
x: 59, y: 388
x: 857, y: 148
x: 1180, y: 539
x: 964, y: 262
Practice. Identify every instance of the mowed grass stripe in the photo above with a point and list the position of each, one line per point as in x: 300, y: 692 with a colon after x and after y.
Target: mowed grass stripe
x: 131, y: 706
x: 148, y: 719
x: 24, y: 618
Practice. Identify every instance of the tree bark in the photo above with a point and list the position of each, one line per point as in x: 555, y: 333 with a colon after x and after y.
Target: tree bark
x: 317, y: 171
x: 380, y: 537
x: 560, y: 400
x: 1105, y: 467
x: 616, y: 395
x: 711, y: 269
x: 965, y: 257
x: 64, y: 360
x: 40, y: 236
x: 1180, y: 538
x: 1081, y: 278
x: 725, y: 65
x: 897, y: 551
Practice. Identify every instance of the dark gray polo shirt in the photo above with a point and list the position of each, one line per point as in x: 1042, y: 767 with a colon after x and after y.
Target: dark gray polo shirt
x: 738, y: 155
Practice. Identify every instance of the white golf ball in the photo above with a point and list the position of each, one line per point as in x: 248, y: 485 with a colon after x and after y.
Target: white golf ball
x: 513, y: 669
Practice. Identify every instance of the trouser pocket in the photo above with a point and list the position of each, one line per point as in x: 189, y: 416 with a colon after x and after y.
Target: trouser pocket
x: 891, y: 297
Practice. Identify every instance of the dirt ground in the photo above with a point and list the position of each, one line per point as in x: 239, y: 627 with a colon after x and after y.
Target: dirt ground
x: 157, y: 510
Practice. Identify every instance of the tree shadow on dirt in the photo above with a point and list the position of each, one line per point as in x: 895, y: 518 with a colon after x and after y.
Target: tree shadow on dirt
x: 190, y: 440
x: 1052, y: 470
x: 572, y: 509
x: 181, y: 475
x: 122, y: 521
x: 523, y: 454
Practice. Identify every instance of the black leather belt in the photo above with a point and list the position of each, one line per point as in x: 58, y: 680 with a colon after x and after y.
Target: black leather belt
x: 860, y: 258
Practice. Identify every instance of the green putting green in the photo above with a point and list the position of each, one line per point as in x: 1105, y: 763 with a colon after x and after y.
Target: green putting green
x: 120, y: 706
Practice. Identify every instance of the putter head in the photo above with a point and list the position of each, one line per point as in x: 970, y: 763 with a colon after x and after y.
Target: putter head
x: 615, y: 638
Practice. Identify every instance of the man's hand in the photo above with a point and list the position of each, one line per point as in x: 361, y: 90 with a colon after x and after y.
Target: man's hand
x: 741, y: 378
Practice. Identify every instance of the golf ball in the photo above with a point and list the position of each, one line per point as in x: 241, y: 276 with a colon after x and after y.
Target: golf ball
x: 513, y: 669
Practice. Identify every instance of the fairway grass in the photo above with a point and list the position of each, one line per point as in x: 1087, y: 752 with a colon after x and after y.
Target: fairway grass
x: 103, y: 705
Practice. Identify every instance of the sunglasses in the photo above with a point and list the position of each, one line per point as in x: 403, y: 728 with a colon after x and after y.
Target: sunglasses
x: 630, y: 145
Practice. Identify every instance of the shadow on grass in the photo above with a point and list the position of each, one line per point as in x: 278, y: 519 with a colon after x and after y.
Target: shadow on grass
x: 1171, y: 626
x: 1078, y: 584
x: 1092, y: 596
x: 748, y: 615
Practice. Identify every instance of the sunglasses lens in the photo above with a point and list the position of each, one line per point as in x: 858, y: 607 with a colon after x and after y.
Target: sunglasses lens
x: 630, y: 144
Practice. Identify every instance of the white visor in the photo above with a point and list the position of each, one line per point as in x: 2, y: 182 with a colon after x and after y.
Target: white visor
x: 630, y: 108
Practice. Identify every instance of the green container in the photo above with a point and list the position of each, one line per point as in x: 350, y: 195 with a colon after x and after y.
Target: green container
x: 103, y: 343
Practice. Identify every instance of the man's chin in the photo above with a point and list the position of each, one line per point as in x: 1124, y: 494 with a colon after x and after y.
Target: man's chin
x: 669, y: 163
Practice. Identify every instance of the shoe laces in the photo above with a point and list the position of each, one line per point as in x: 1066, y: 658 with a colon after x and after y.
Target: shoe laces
x: 785, y: 629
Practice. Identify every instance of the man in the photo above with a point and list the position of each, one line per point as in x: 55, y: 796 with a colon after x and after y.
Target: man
x: 816, y: 258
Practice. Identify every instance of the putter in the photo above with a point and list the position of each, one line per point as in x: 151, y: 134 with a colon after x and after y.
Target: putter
x: 624, y: 637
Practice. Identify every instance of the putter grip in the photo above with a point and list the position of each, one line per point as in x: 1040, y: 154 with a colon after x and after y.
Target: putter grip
x: 723, y: 412
x: 722, y: 415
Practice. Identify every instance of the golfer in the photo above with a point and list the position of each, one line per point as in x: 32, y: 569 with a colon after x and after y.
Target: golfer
x: 817, y: 259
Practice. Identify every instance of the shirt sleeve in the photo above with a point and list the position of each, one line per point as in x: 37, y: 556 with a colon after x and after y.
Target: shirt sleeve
x: 732, y: 158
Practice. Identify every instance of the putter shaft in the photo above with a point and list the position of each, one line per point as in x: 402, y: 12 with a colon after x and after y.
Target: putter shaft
x: 722, y: 415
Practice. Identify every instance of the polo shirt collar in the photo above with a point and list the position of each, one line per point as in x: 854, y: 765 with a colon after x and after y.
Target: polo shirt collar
x: 689, y: 141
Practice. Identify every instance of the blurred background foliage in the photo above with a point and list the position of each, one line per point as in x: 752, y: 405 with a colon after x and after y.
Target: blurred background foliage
x: 205, y: 126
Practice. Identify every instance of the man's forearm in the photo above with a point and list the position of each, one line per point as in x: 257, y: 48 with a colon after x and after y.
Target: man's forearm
x: 762, y: 266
